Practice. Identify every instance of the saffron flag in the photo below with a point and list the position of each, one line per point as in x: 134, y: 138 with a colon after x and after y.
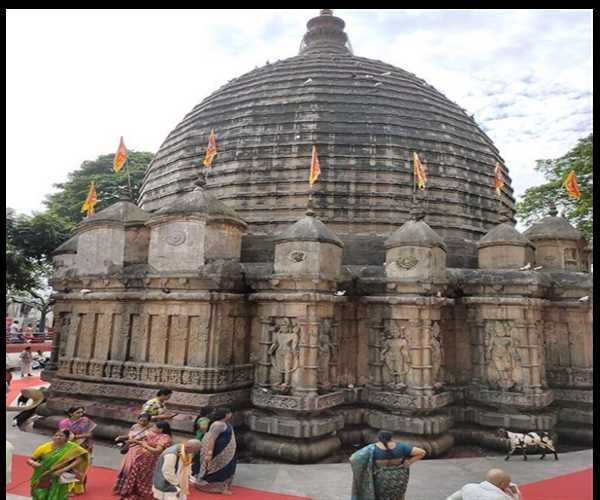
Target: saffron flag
x: 571, y: 185
x: 120, y: 157
x: 419, y: 172
x: 90, y: 201
x: 499, y: 180
x: 315, y: 168
x: 211, y: 151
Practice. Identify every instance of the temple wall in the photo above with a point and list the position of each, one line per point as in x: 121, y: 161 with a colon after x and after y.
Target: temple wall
x: 101, y: 250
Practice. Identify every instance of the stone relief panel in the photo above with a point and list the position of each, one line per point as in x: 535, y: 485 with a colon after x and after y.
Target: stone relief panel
x: 283, y: 351
x: 328, y: 354
x: 502, y: 356
x: 437, y: 355
x: 395, y: 354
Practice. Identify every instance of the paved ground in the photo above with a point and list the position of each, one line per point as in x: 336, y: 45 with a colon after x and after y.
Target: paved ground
x: 430, y: 479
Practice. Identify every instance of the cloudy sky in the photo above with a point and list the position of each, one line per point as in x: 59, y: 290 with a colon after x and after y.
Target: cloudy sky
x: 79, y: 79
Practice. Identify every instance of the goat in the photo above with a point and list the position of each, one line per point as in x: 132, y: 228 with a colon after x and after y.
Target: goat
x: 526, y: 441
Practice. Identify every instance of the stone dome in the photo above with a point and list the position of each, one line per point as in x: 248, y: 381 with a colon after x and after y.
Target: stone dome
x: 504, y: 234
x: 415, y: 233
x: 123, y: 212
x: 366, y: 118
x: 309, y: 228
x: 553, y: 228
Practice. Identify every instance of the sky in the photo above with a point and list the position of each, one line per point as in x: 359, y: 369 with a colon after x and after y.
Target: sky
x: 77, y: 80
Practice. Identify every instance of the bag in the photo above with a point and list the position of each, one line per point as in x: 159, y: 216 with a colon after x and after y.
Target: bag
x: 124, y: 449
x: 67, y: 478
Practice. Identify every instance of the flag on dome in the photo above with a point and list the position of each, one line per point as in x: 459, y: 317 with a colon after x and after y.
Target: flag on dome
x: 499, y: 180
x: 120, y: 157
x: 315, y: 168
x: 419, y: 172
x: 571, y: 185
x: 90, y: 201
x: 211, y: 151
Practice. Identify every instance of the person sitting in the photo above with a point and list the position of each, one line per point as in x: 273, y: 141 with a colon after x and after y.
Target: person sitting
x: 156, y: 408
x: 497, y: 486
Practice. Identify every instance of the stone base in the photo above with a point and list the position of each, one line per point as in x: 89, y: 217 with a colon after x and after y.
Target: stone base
x: 409, y: 403
x: 517, y: 422
x: 276, y: 425
x: 291, y: 450
x: 433, y: 445
x: 576, y: 434
x: 431, y: 424
x: 501, y: 399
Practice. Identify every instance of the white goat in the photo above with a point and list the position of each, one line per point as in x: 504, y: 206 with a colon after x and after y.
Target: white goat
x: 529, y: 440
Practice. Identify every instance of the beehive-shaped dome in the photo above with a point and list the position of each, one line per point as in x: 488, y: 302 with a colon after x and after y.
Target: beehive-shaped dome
x: 366, y: 119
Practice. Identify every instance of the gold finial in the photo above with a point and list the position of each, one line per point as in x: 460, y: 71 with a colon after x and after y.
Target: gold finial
x: 327, y: 12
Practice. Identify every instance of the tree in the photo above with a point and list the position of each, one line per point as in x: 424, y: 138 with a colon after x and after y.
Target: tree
x: 66, y: 203
x: 537, y: 200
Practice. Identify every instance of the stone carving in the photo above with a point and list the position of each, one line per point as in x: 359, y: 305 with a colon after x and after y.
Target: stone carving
x: 284, y: 352
x: 502, y: 357
x: 297, y: 256
x: 396, y: 357
x: 327, y: 352
x: 176, y: 238
x: 407, y: 262
x: 437, y: 355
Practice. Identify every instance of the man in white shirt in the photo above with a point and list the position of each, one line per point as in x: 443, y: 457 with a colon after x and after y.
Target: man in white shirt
x: 497, y: 486
x: 172, y: 471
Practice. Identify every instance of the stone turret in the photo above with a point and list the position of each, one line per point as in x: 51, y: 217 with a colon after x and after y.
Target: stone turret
x: 558, y: 245
x: 308, y: 247
x: 415, y: 252
x: 193, y: 230
x: 64, y: 259
x: 112, y: 239
x: 503, y: 247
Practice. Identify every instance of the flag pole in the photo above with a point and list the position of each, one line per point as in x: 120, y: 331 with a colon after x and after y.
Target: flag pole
x: 414, y: 196
x: 129, y: 181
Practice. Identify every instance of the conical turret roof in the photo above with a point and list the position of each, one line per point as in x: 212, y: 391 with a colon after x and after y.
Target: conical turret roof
x: 309, y: 228
x: 69, y: 246
x: 123, y: 212
x: 414, y: 233
x: 503, y: 234
x: 553, y: 228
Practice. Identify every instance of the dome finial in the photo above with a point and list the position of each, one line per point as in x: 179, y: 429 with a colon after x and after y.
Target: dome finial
x: 327, y: 12
x: 310, y: 212
x: 552, y: 211
x: 325, y: 35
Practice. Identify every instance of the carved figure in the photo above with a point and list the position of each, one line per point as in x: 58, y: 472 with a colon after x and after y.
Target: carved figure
x: 326, y: 353
x: 501, y: 356
x: 396, y: 356
x: 284, y: 352
x: 437, y: 355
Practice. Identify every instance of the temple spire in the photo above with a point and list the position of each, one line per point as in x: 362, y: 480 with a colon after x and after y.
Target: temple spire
x: 325, y: 35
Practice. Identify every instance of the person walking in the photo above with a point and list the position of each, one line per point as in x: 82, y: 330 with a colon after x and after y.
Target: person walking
x: 138, y: 482
x: 14, y: 331
x: 81, y: 427
x: 26, y: 359
x: 28, y: 333
x: 172, y: 471
x: 55, y: 463
x: 381, y: 470
x: 497, y: 486
x: 200, y: 427
x: 156, y: 407
x: 217, y: 461
x: 131, y: 448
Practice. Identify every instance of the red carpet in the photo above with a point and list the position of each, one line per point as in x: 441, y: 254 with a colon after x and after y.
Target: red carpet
x: 101, y: 479
x: 41, y: 346
x: 17, y: 385
x: 574, y: 486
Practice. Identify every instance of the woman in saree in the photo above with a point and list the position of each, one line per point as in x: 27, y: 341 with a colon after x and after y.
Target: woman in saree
x: 218, y: 455
x: 138, y: 481
x: 50, y: 461
x: 380, y: 470
x: 81, y: 427
x: 200, y: 427
x: 138, y: 431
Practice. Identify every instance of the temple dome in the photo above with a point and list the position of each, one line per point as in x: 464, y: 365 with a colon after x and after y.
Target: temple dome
x: 553, y: 228
x: 366, y: 118
x: 122, y: 212
x: 415, y: 233
x: 504, y: 234
x: 309, y: 228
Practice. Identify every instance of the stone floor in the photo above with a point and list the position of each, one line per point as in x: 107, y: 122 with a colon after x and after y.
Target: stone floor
x: 430, y: 479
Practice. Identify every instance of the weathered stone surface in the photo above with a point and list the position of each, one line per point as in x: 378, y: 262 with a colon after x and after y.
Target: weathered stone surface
x: 294, y: 427
x: 432, y: 424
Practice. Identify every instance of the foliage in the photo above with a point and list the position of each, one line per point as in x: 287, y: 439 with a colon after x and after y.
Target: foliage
x: 66, y: 202
x: 537, y: 200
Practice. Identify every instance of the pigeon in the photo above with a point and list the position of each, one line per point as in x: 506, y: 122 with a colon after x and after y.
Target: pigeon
x: 84, y: 291
x: 340, y: 292
x: 307, y: 81
x: 378, y: 84
x: 350, y: 386
x: 537, y: 268
x: 526, y: 267
x: 368, y: 76
x: 264, y: 390
x: 387, y: 73
x: 584, y: 299
x: 439, y: 294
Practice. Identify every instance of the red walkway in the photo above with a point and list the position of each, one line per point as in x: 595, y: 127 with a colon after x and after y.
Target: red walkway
x: 575, y: 486
x: 17, y: 385
x: 101, y: 479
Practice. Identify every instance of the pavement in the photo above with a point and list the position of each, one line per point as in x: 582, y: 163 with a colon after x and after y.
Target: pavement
x: 429, y: 479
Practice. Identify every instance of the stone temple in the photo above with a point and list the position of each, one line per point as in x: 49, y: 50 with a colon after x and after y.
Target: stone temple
x: 320, y: 322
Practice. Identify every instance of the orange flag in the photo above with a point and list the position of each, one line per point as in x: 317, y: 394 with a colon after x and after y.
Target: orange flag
x: 90, y: 201
x: 571, y: 185
x: 211, y: 151
x: 419, y: 172
x: 499, y: 180
x: 315, y: 168
x: 120, y: 157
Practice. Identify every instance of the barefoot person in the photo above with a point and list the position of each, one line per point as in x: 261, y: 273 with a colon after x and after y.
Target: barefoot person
x: 52, y: 461
x: 172, y: 471
x: 156, y: 407
x: 217, y: 459
x: 381, y: 470
x: 26, y: 359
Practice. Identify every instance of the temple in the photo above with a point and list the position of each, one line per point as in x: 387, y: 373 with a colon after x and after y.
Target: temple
x: 372, y: 306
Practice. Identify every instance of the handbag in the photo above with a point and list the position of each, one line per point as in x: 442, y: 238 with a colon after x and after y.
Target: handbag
x: 67, y: 478
x: 125, y: 448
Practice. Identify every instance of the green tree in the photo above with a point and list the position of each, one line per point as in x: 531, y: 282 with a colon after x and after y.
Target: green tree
x: 537, y: 200
x: 66, y: 202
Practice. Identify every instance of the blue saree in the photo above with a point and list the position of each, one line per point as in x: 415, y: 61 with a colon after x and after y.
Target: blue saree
x: 363, y: 486
x: 217, y: 476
